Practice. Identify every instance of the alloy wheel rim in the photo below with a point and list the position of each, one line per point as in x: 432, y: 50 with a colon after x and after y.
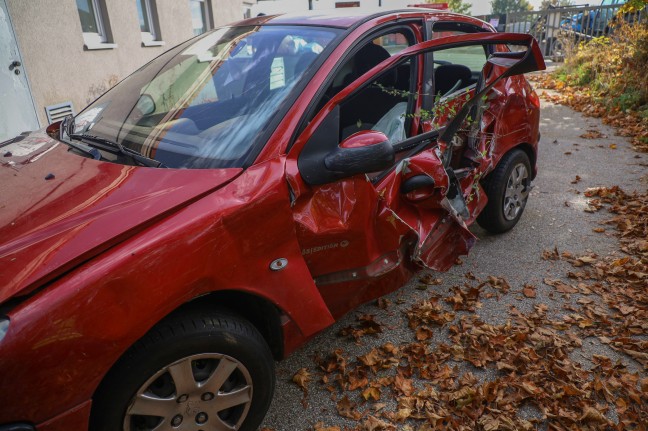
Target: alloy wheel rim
x: 517, y: 191
x: 204, y: 392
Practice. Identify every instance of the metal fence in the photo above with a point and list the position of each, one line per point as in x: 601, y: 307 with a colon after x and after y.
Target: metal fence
x: 555, y: 27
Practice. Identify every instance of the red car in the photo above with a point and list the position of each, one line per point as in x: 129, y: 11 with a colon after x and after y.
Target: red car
x: 235, y: 196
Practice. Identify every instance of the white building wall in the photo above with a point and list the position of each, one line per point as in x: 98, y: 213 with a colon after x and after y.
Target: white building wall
x: 273, y: 7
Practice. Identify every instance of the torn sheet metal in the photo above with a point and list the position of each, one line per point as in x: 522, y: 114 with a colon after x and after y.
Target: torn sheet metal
x: 354, y: 233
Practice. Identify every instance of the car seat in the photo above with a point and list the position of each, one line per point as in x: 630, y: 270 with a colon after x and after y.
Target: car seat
x: 363, y: 110
x: 448, y: 78
x: 364, y: 60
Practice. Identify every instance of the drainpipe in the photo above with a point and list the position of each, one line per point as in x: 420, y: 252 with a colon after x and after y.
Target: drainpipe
x: 310, y: 4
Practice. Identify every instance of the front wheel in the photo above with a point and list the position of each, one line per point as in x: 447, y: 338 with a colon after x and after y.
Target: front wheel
x: 507, y: 188
x: 202, y: 371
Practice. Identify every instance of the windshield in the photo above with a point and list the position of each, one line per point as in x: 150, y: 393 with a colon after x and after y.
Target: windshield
x: 206, y: 103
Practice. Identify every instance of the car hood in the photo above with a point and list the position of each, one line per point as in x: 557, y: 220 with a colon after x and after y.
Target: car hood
x: 59, y: 209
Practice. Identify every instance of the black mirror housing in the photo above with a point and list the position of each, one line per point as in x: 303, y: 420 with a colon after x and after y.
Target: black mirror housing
x: 361, y: 153
x: 323, y: 162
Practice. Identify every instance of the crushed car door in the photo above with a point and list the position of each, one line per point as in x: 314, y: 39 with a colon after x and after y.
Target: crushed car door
x: 367, y: 205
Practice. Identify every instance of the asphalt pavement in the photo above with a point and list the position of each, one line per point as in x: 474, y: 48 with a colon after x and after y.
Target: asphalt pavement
x: 554, y: 217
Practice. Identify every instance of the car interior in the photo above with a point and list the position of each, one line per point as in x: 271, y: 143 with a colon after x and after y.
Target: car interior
x: 456, y: 68
x: 449, y: 78
x: 366, y: 109
x: 382, y: 104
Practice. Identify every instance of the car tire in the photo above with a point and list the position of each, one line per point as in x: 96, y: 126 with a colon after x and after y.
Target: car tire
x: 190, y: 367
x: 507, y: 189
x: 557, y: 51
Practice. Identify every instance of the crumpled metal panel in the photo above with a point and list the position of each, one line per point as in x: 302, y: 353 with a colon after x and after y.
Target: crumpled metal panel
x: 353, y: 233
x: 59, y: 209
x: 431, y: 220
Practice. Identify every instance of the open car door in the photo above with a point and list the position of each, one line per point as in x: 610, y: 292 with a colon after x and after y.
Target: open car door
x: 367, y: 210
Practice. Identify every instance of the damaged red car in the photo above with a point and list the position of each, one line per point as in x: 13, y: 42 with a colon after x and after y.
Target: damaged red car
x: 235, y: 196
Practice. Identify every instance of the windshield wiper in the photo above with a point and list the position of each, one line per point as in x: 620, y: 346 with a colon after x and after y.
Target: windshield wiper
x: 68, y: 124
x: 117, y: 148
x: 66, y: 134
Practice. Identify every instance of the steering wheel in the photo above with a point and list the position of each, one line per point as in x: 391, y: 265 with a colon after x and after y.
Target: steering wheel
x: 442, y: 62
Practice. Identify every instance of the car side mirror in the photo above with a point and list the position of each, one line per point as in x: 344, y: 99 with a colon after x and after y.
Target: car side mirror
x: 363, y: 152
x: 145, y: 104
x: 324, y: 161
x: 54, y: 129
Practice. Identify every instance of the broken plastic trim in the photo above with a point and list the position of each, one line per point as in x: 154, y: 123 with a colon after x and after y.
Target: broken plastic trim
x: 378, y: 267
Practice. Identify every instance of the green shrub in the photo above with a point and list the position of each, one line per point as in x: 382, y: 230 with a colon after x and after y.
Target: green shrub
x: 613, y: 68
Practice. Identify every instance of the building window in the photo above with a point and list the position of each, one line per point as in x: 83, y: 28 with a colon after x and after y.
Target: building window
x: 344, y: 4
x: 199, y: 16
x: 147, y: 14
x: 93, y: 24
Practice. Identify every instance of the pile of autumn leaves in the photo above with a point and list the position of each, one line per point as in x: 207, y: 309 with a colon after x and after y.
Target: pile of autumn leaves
x: 421, y: 386
x: 629, y: 123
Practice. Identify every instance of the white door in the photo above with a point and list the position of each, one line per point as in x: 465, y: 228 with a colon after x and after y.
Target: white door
x: 17, y: 112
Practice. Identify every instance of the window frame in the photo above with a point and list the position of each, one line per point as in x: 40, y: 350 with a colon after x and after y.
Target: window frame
x: 152, y: 37
x: 329, y: 130
x: 102, y: 38
x: 312, y: 110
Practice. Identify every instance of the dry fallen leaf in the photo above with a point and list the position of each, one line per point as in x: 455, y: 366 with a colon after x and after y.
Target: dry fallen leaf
x: 319, y: 426
x: 374, y: 424
x: 347, y: 408
x: 367, y: 326
x: 593, y: 134
x: 592, y: 415
x: 529, y: 291
x: 301, y: 379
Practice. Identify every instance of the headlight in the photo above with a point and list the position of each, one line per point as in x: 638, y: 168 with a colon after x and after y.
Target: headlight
x: 4, y: 327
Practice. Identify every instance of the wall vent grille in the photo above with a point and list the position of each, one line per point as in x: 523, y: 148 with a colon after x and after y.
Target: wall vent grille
x: 58, y: 112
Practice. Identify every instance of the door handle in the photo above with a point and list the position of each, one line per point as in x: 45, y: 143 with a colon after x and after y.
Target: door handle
x: 14, y: 64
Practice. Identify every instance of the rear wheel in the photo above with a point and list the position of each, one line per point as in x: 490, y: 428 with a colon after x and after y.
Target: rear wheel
x: 507, y: 188
x: 203, y: 371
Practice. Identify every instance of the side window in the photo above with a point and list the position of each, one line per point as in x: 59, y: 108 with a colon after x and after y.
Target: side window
x: 372, y: 53
x: 473, y: 57
x: 457, y: 68
x: 393, y: 42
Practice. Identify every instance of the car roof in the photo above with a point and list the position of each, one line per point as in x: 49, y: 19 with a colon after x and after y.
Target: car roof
x: 344, y: 17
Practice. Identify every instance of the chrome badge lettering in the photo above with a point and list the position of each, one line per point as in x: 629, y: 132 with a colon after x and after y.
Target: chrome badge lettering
x: 306, y: 251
